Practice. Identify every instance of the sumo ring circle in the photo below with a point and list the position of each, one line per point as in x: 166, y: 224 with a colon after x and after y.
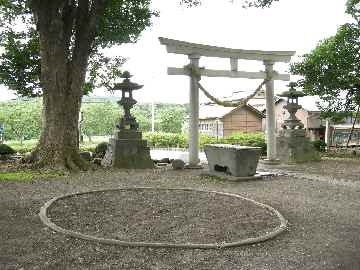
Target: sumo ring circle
x: 248, y: 241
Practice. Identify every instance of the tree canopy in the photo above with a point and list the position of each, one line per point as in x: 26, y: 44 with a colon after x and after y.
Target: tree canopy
x: 120, y: 22
x: 332, y: 69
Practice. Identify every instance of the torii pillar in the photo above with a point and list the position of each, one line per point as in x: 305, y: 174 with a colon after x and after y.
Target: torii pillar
x: 194, y: 117
x: 270, y: 116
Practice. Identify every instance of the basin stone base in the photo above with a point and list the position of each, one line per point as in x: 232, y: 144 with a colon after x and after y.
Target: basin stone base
x: 293, y: 147
x: 239, y: 161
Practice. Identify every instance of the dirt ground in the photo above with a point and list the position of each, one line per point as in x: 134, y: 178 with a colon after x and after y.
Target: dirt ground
x: 320, y: 201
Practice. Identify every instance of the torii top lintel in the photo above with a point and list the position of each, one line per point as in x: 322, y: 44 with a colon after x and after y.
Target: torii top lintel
x: 187, y: 48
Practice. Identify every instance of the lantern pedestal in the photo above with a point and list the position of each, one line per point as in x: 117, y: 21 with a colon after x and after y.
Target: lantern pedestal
x: 130, y: 151
x: 293, y: 147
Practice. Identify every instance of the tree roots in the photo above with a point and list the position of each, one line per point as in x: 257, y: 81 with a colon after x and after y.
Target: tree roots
x: 55, y: 160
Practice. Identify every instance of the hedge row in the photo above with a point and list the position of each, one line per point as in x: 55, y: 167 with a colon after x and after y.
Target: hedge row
x: 172, y: 140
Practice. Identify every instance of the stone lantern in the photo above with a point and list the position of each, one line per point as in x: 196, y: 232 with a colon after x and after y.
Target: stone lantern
x: 127, y: 101
x: 127, y: 149
x: 292, y: 106
x: 292, y: 145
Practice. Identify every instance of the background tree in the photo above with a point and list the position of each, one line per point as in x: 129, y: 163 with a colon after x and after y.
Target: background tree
x: 22, y: 119
x: 99, y: 119
x: 67, y: 34
x: 142, y: 113
x: 332, y: 70
x: 171, y: 119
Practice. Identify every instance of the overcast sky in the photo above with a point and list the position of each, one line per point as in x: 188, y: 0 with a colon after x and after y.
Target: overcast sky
x: 295, y: 25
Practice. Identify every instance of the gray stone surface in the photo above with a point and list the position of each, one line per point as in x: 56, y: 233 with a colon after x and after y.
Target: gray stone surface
x: 86, y: 155
x: 107, y: 159
x: 130, y: 151
x: 294, y: 147
x: 235, y: 160
x: 178, y: 164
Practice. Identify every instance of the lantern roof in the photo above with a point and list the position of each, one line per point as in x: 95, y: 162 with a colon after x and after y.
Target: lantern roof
x: 126, y: 84
x: 292, y: 92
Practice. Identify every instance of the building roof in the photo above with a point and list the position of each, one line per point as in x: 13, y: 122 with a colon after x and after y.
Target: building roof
x: 212, y: 111
x: 260, y: 104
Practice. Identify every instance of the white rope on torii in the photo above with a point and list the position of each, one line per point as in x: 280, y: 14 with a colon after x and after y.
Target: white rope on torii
x: 195, y: 72
x: 195, y: 52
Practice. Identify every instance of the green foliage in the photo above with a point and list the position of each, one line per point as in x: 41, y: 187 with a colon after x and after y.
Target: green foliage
x: 259, y: 3
x: 255, y: 139
x: 100, y: 149
x: 26, y: 176
x: 6, y: 150
x: 207, y: 139
x: 172, y: 119
x: 247, y: 3
x: 161, y: 139
x: 176, y: 140
x: 121, y: 21
x: 319, y: 145
x: 20, y: 63
x: 142, y: 113
x: 102, y: 72
x: 332, y: 71
x: 23, y: 147
x: 22, y: 119
x: 99, y: 118
x: 353, y: 8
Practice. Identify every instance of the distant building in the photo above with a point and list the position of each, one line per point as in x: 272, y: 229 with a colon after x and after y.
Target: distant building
x: 221, y: 121
x: 224, y: 121
x: 309, y: 114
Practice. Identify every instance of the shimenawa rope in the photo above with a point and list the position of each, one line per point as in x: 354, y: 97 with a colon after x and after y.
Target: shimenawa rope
x: 195, y: 72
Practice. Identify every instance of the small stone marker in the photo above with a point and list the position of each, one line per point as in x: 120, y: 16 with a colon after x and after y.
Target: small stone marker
x: 178, y: 164
x: 86, y: 155
x: 107, y: 159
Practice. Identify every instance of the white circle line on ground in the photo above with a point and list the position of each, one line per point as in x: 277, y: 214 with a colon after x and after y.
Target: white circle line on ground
x: 248, y: 241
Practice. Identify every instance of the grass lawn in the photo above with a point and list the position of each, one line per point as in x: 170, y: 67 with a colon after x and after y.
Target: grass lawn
x: 27, y: 175
x: 28, y: 145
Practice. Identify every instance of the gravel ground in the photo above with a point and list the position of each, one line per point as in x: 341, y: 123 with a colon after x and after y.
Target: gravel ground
x: 320, y: 201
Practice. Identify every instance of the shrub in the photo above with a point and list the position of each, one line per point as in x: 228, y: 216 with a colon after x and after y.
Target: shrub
x: 162, y: 139
x: 255, y: 139
x: 207, y: 139
x: 100, y: 149
x: 6, y: 150
x: 319, y: 145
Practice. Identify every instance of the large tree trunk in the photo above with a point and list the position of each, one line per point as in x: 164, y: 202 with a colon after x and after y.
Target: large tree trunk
x: 58, y: 145
x: 64, y: 54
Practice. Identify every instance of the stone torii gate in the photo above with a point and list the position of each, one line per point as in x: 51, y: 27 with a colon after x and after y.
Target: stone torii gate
x: 195, y: 51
